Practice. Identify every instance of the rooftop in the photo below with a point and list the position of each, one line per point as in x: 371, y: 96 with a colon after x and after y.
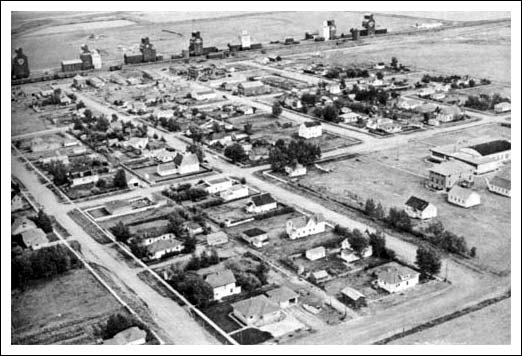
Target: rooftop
x: 447, y: 168
x: 492, y: 147
x: 255, y: 306
x: 34, y: 237
x: 393, y: 274
x: 254, y: 232
x: 417, y: 203
x: 263, y: 199
x: 220, y: 278
x: 281, y: 294
x: 352, y: 293
x: 312, y: 123
x: 461, y: 193
x: 162, y: 245
x: 501, y: 182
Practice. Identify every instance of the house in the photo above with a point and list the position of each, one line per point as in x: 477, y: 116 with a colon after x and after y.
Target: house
x: 22, y: 224
x: 201, y: 95
x: 162, y: 154
x: 333, y: 88
x: 217, y: 185
x: 133, y: 182
x: 420, y: 209
x: 17, y: 202
x: 305, y: 226
x: 217, y: 238
x: 320, y: 276
x: 463, y: 197
x: 449, y: 113
x: 350, y: 256
x: 433, y: 122
x: 316, y: 253
x: 499, y: 185
x: 182, y: 164
x: 437, y: 96
x: 293, y: 102
x: 256, y: 237
x: 158, y: 249
x: 502, y: 107
x: 446, y: 174
x: 194, y: 228
x: 245, y: 110
x: 38, y: 145
x: 283, y: 296
x: 392, y: 127
x: 407, y: 104
x: 223, y: 138
x: 131, y: 336
x: 223, y: 284
x: 261, y: 203
x: 56, y: 157
x: 376, y: 123
x: 426, y: 92
x: 394, y: 278
x: 350, y: 117
x: 85, y: 180
x: 79, y: 81
x: 138, y: 143
x: 296, y: 170
x: 252, y: 88
x: 149, y: 239
x: 258, y: 311
x: 34, y: 238
x: 426, y: 108
x: 237, y: 191
x: 310, y: 129
x: 353, y: 298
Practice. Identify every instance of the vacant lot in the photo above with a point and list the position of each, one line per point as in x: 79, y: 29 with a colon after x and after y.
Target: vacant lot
x: 483, y: 327
x: 132, y: 219
x: 392, y: 176
x: 64, y: 310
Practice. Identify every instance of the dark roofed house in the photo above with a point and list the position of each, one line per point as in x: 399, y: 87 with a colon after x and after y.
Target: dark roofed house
x: 492, y: 147
x: 261, y: 203
x: 419, y: 208
x: 256, y: 237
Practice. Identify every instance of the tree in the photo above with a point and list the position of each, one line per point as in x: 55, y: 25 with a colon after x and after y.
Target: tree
x: 428, y: 261
x: 379, y: 75
x: 308, y: 99
x: 473, y: 251
x: 197, y: 150
x: 195, y: 133
x: 88, y: 114
x: 378, y: 244
x: 43, y: 221
x: 121, y: 232
x: 120, y: 179
x: 435, y: 228
x: 117, y: 323
x: 102, y: 124
x: 394, y: 62
x: 114, y: 118
x: 369, y: 207
x: 248, y: 128
x: 379, y: 212
x: 102, y: 183
x: 176, y: 224
x: 216, y: 127
x: 330, y: 113
x: 358, y: 242
x: 80, y: 105
x: 276, y: 109
x: 59, y: 171
x: 236, y: 153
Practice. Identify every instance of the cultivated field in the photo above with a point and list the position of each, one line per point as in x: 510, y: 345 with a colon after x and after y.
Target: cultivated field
x: 392, y: 176
x: 64, y: 310
x: 488, y: 326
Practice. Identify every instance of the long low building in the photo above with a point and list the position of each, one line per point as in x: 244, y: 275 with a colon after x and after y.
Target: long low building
x: 483, y: 156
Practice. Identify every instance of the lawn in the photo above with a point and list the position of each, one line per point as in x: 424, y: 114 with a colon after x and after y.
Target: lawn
x: 219, y: 313
x: 63, y: 310
x: 251, y: 336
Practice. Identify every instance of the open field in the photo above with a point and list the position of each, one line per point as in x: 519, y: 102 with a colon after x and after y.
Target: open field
x: 488, y: 326
x: 392, y: 181
x: 217, y: 32
x: 64, y: 310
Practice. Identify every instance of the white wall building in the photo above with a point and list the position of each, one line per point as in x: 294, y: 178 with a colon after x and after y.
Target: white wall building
x: 463, y: 197
x: 305, y: 226
x: 310, y: 129
x: 420, y: 209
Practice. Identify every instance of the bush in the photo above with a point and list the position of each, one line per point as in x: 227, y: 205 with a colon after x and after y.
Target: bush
x: 43, y: 221
x: 121, y: 232
x: 428, y: 261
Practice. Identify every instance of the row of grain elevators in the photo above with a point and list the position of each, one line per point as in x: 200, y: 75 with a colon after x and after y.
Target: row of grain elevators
x: 91, y: 59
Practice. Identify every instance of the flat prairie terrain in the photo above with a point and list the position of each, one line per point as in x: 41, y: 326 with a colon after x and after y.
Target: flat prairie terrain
x: 488, y: 326
x: 64, y: 310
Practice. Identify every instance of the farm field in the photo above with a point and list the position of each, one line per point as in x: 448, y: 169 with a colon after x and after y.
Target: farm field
x: 64, y: 310
x: 390, y: 181
x: 469, y: 329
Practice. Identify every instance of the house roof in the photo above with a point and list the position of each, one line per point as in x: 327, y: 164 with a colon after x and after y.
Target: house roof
x: 256, y: 306
x: 254, y: 232
x: 492, y: 147
x: 167, y: 166
x: 312, y: 123
x: 461, y: 193
x: 500, y: 182
x: 451, y: 110
x: 302, y: 221
x: 395, y: 274
x: 34, y: 237
x: 216, y: 237
x: 281, y: 294
x: 351, y: 293
x: 72, y: 61
x: 320, y: 274
x: 220, y: 278
x: 24, y: 223
x: 186, y: 159
x: 218, y: 181
x: 317, y: 250
x: 417, y: 203
x: 126, y: 336
x: 252, y: 84
x: 162, y: 245
x: 263, y: 199
x: 447, y: 168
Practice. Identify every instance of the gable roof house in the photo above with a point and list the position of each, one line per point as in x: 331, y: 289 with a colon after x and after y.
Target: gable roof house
x: 261, y: 203
x: 419, y: 208
x: 283, y: 296
x: 223, y: 284
x: 310, y: 129
x: 465, y: 198
x: 256, y: 237
x: 305, y: 226
x: 395, y: 278
x: 258, y: 311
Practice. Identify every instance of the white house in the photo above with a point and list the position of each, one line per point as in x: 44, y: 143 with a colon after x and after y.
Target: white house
x: 449, y: 113
x: 283, y: 296
x: 22, y: 224
x: 463, y: 197
x: 391, y: 127
x: 297, y: 170
x: 85, y: 180
x: 203, y: 94
x: 138, y: 143
x: 235, y: 192
x: 217, y: 185
x: 499, y: 185
x: 305, y: 226
x: 315, y: 253
x: 152, y: 239
x: 349, y: 255
x: 407, y: 103
x: 158, y: 249
x: 350, y: 117
x: 376, y: 123
x: 333, y: 88
x: 256, y: 237
x: 310, y: 129
x: 502, y: 107
x: 34, y: 238
x: 223, y: 284
x: 217, y: 238
x: 258, y: 310
x: 395, y: 278
x: 182, y: 164
x: 261, y: 203
x: 420, y: 209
